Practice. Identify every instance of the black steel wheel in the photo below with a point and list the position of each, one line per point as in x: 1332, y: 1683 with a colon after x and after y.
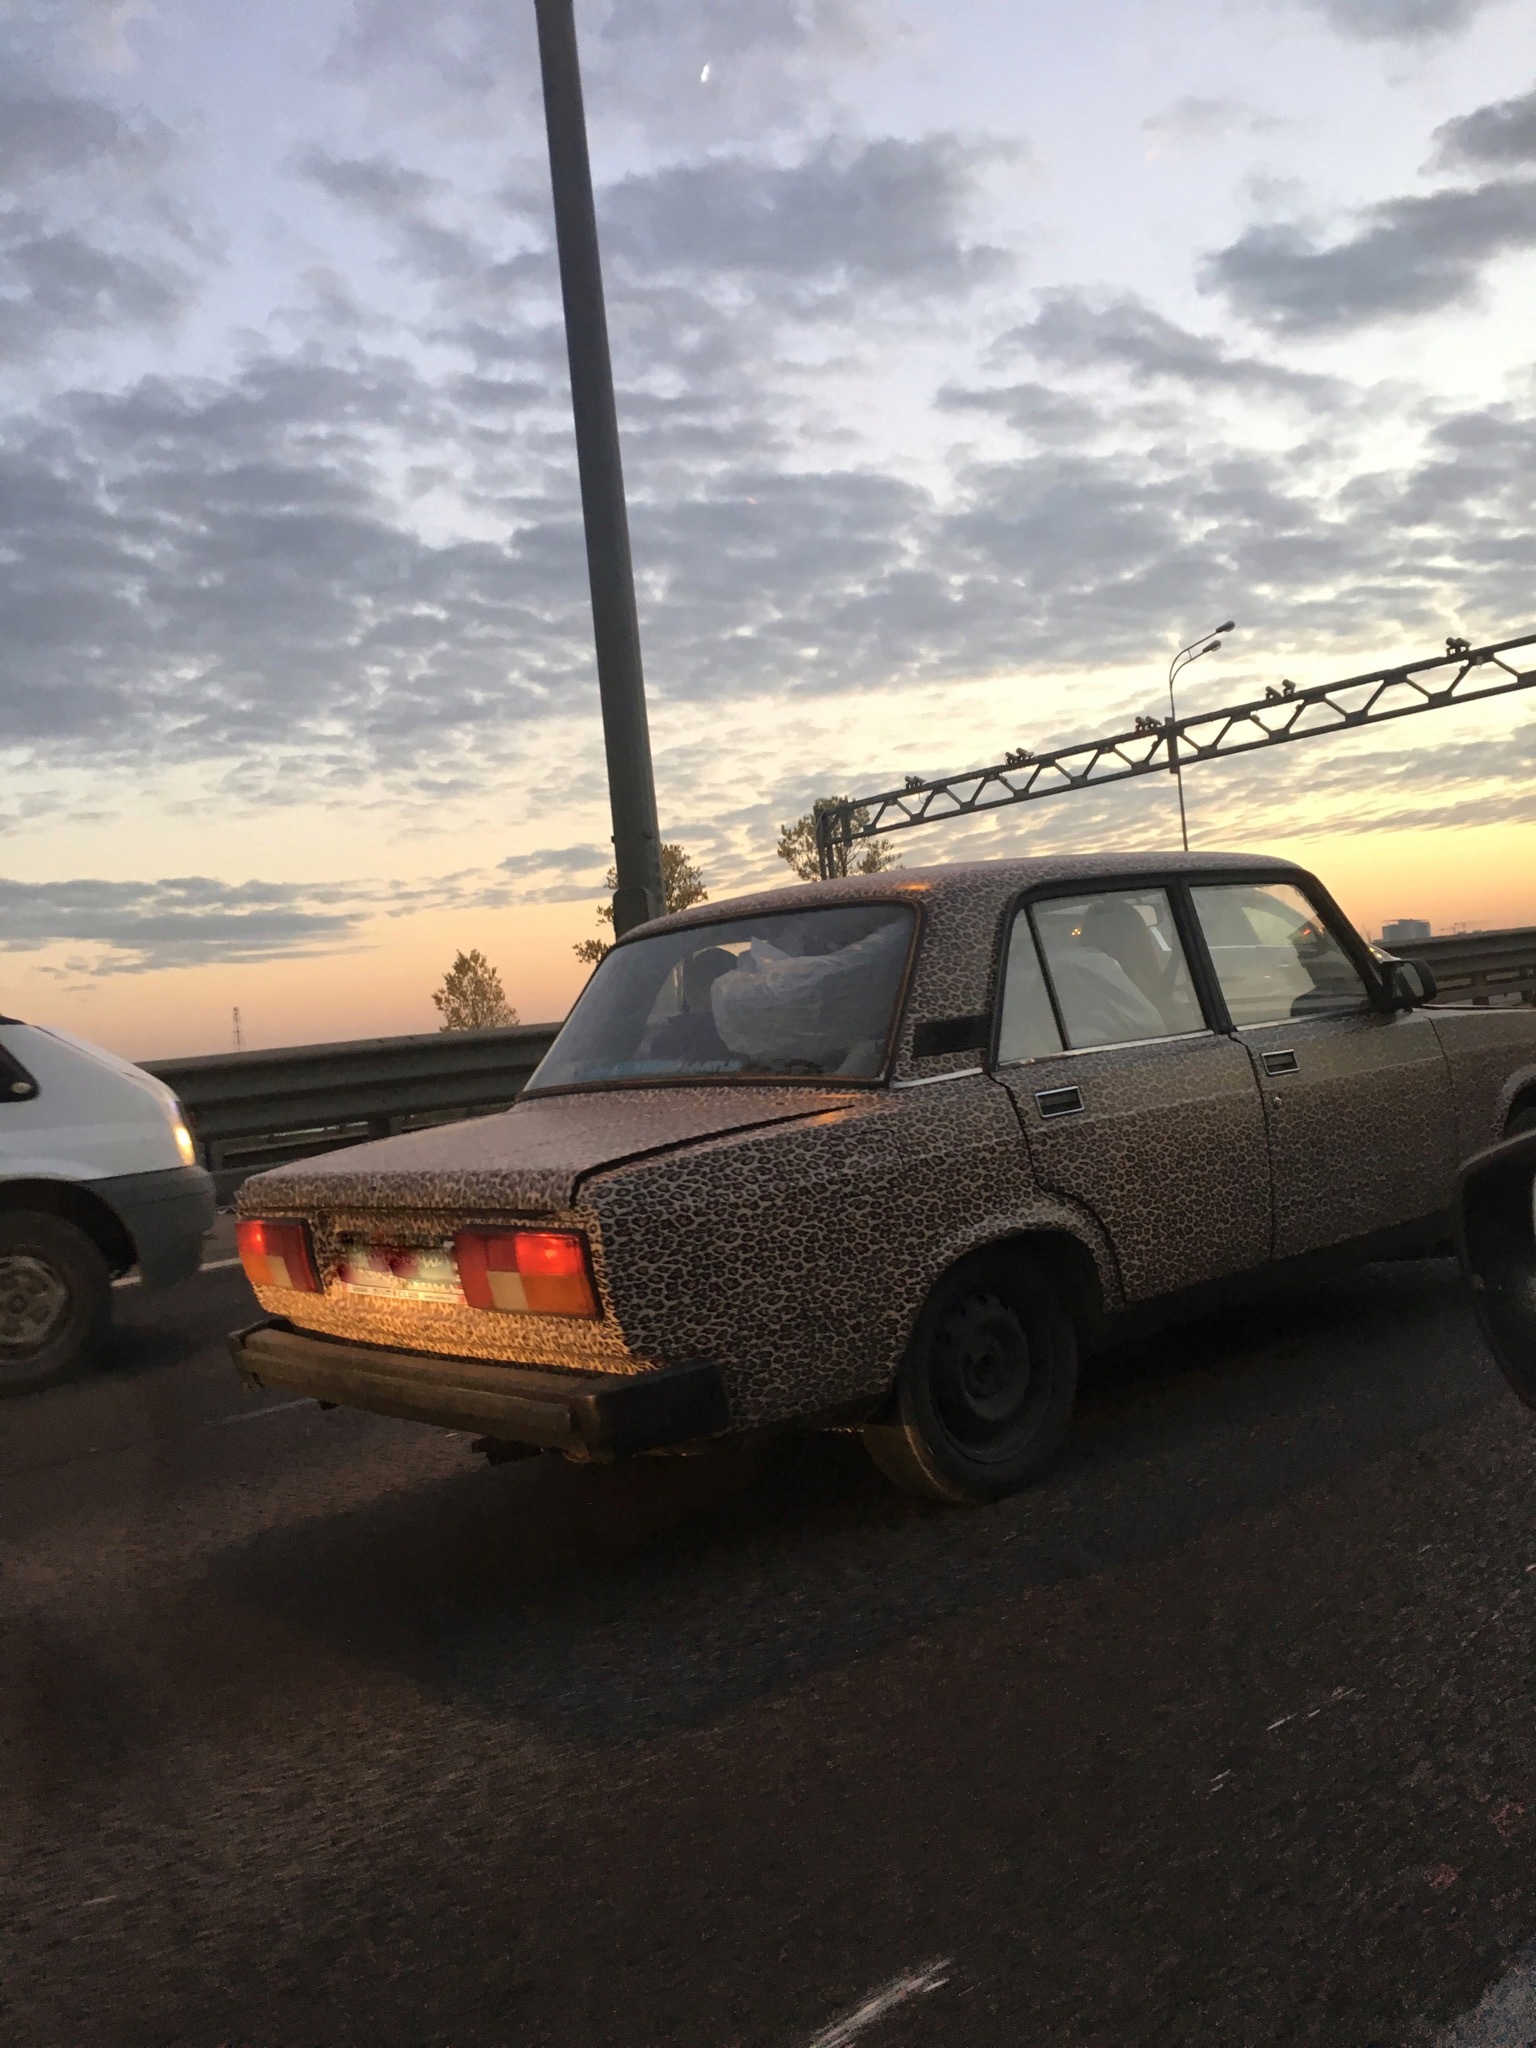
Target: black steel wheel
x: 55, y: 1299
x: 985, y: 1391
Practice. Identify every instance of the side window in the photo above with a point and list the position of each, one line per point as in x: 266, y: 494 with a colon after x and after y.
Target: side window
x: 1117, y: 969
x: 1274, y: 957
x: 1029, y: 1030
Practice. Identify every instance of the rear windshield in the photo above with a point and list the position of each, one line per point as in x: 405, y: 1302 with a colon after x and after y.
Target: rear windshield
x: 801, y: 992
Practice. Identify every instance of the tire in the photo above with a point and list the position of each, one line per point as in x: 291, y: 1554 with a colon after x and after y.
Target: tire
x: 1522, y: 1121
x: 985, y: 1391
x: 55, y: 1299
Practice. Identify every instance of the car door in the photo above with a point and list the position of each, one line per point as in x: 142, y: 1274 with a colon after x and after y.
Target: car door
x: 1357, y: 1103
x: 1131, y: 1103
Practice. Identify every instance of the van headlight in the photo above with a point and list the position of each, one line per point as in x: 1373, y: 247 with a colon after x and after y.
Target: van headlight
x: 186, y: 1144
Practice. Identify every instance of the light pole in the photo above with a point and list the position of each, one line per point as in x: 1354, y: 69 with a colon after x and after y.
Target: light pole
x: 615, y: 626
x: 1180, y: 662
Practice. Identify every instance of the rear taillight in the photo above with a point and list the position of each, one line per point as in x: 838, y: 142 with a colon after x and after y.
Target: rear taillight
x: 277, y: 1255
x: 541, y: 1272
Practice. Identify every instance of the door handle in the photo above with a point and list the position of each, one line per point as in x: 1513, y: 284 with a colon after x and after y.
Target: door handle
x: 1059, y: 1101
x: 1281, y: 1062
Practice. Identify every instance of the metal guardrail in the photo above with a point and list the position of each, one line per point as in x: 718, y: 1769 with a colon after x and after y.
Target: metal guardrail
x: 251, y: 1110
x: 1483, y: 968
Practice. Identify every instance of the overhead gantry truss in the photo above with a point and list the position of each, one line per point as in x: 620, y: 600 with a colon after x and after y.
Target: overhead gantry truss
x: 1154, y: 746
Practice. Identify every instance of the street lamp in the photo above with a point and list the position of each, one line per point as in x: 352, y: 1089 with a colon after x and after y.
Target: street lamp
x: 1180, y: 662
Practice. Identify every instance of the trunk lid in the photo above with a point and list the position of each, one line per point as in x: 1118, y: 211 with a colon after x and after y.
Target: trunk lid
x: 527, y: 1159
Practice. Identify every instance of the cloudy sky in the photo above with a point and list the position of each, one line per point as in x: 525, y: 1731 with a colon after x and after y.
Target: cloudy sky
x: 971, y: 356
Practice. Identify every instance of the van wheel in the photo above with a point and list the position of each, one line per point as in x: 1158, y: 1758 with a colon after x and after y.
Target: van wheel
x: 985, y: 1391
x: 55, y: 1299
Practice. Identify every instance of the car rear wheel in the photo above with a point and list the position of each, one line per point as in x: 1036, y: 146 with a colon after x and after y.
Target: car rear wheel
x: 985, y: 1391
x: 55, y: 1299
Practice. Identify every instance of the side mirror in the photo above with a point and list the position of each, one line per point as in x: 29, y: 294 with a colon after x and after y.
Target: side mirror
x: 1408, y: 983
x: 1496, y: 1240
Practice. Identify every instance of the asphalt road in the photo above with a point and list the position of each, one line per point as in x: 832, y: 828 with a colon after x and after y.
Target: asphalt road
x: 314, y: 1730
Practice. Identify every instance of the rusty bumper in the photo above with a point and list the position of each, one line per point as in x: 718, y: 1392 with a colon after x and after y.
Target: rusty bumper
x: 595, y: 1415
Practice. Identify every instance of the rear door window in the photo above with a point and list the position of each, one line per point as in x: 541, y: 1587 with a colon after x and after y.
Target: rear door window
x: 1029, y: 1029
x: 1115, y: 965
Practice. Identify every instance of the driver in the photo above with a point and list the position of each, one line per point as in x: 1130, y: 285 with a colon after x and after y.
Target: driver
x: 691, y: 1036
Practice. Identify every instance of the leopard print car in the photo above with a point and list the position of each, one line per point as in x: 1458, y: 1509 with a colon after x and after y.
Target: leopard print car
x: 884, y: 1153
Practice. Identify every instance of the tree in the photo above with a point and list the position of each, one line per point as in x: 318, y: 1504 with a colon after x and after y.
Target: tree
x: 681, y: 881
x: 797, y: 845
x: 471, y: 997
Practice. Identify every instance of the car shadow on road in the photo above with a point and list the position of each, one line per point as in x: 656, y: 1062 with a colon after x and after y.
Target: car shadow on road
x: 609, y: 1604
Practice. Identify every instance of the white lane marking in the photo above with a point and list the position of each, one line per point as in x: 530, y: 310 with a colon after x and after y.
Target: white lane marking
x: 1505, y: 2015
x: 208, y: 1266
x: 253, y: 1414
x: 879, y: 2003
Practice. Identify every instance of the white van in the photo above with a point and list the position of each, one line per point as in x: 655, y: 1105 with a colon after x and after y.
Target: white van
x: 98, y: 1174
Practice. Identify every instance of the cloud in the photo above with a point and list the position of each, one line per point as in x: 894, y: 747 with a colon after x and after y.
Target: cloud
x: 223, y: 572
x: 1075, y: 332
x: 1408, y: 256
x: 378, y: 185
x: 560, y: 874
x: 800, y: 234
x: 45, y: 133
x: 57, y: 282
x: 203, y: 568
x: 1398, y: 20
x: 90, y: 242
x: 137, y: 927
x: 1038, y: 411
x: 184, y: 921
x: 352, y: 570
x: 1493, y: 137
x: 1196, y: 122
x: 888, y: 214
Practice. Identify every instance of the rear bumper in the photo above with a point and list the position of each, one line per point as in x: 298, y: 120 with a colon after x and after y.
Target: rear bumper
x: 596, y: 1415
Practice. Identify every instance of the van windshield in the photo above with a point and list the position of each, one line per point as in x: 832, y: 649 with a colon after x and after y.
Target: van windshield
x: 796, y: 992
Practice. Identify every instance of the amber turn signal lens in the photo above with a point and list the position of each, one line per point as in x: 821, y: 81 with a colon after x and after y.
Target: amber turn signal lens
x: 277, y: 1255
x: 534, y: 1272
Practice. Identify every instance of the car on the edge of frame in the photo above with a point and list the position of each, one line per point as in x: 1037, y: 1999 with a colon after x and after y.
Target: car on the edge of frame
x: 883, y: 1154
x: 98, y: 1175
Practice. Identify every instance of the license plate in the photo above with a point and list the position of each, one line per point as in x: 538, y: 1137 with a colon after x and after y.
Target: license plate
x: 400, y: 1272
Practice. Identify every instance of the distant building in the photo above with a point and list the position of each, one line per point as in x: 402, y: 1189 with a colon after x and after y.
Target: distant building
x: 1402, y: 931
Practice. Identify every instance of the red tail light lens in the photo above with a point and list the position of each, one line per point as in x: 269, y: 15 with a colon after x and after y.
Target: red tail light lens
x: 537, y: 1272
x: 277, y: 1255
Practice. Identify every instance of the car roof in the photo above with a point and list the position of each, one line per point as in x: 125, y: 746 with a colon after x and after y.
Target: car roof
x: 994, y: 879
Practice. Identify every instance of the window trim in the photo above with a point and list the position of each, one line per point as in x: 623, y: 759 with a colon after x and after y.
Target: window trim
x: 1084, y: 1052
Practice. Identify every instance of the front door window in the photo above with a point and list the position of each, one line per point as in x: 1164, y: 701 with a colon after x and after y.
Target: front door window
x: 1274, y: 957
